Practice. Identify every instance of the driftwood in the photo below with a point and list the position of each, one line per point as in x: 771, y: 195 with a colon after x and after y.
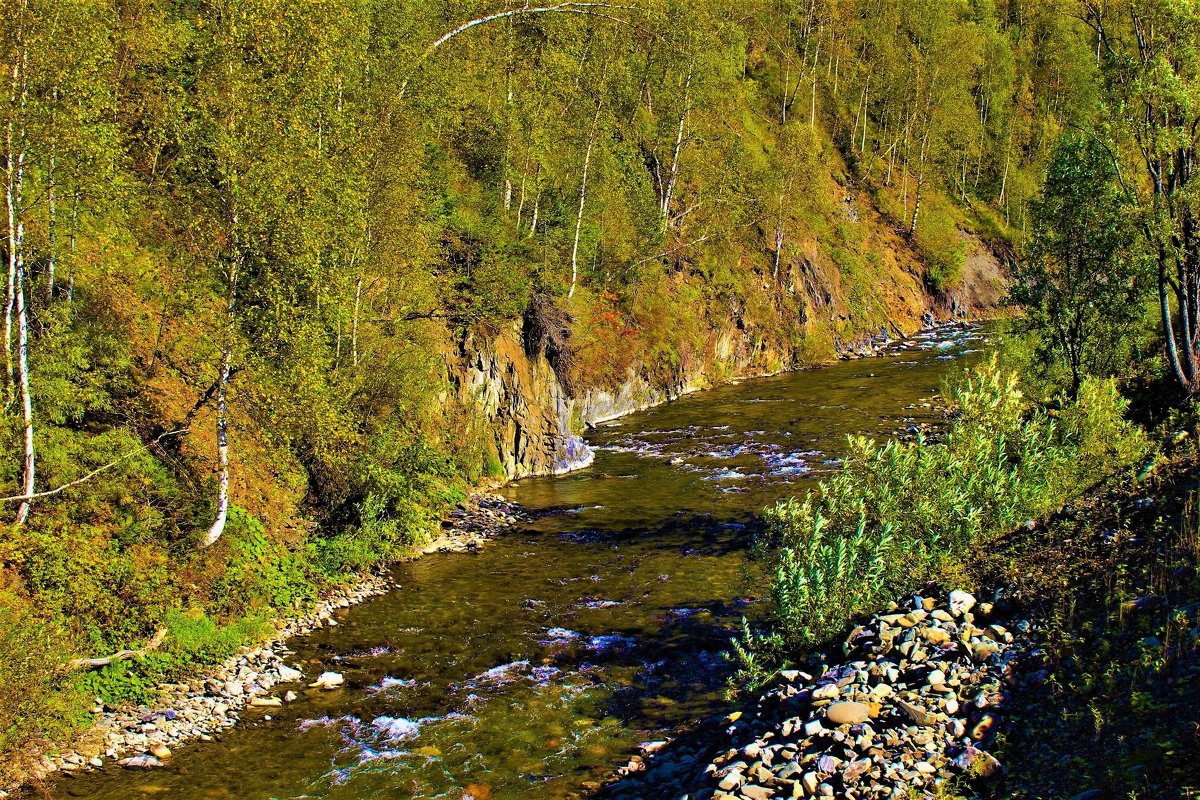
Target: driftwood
x: 124, y: 655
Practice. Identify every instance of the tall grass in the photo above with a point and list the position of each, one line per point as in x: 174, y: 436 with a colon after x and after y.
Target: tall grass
x: 898, y: 514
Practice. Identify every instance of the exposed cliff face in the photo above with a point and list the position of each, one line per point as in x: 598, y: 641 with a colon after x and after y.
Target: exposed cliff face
x: 537, y: 423
x: 524, y: 403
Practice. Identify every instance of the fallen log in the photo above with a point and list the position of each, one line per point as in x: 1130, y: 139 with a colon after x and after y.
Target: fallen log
x: 123, y: 655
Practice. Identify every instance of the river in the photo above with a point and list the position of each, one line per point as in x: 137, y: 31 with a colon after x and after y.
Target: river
x: 532, y: 668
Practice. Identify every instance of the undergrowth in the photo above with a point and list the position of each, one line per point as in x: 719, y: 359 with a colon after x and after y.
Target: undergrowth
x: 900, y: 514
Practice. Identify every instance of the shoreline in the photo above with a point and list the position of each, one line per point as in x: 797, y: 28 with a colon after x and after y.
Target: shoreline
x: 875, y: 347
x: 914, y: 697
x: 209, y: 702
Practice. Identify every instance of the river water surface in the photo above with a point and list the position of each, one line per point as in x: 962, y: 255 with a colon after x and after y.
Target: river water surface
x: 534, y: 667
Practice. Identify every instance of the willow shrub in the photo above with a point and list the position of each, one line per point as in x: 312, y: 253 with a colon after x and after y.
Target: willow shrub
x: 897, y: 514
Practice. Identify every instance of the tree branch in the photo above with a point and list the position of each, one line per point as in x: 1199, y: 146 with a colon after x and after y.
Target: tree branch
x: 123, y: 655
x: 675, y: 249
x: 89, y: 476
x: 569, y: 7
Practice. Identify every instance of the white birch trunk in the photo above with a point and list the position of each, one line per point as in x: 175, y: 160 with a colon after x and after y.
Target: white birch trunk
x: 218, y: 526
x: 29, y: 462
x: 51, y: 230
x: 71, y: 245
x: 11, y: 192
x: 534, y: 220
x: 587, y: 160
x: 354, y: 322
x: 683, y: 117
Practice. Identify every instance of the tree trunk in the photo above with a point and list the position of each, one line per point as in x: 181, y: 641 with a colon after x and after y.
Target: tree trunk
x: 14, y: 167
x: 354, y: 322
x: 218, y: 525
x: 521, y: 201
x: 778, y: 242
x: 1164, y: 305
x: 533, y: 221
x: 783, y: 102
x: 862, y: 148
x: 812, y: 112
x: 71, y: 246
x: 670, y: 188
x: 51, y: 230
x: 587, y: 160
x: 29, y: 463
x: 912, y: 228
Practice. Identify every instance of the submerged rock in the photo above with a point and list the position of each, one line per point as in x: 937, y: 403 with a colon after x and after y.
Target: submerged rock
x: 328, y: 680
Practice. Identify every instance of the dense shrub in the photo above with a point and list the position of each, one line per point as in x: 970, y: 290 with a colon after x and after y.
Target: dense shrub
x: 35, y: 698
x: 896, y: 514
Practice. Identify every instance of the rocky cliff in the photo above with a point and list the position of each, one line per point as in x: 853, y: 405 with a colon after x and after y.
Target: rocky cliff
x: 538, y: 422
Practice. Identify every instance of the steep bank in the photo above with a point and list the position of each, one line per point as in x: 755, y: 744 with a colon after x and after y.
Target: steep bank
x: 536, y: 415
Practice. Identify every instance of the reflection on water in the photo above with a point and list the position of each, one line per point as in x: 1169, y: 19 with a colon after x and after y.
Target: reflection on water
x: 532, y: 668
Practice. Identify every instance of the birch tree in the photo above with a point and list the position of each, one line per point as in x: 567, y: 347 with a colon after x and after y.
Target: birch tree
x: 1151, y: 62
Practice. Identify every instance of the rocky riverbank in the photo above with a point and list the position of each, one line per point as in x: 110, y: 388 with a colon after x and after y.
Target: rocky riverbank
x: 914, y: 701
x: 258, y: 676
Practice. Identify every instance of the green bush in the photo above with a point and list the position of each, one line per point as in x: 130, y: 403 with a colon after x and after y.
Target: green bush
x: 895, y: 515
x: 193, y: 639
x: 36, y: 701
x: 259, y: 571
x: 385, y: 531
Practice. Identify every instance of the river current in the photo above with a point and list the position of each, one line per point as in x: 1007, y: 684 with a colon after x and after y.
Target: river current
x: 534, y: 667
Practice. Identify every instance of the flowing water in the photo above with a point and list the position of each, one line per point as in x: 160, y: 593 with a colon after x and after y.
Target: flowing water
x: 532, y: 668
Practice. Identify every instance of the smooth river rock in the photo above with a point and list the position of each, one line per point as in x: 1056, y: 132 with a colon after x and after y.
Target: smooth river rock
x: 848, y: 712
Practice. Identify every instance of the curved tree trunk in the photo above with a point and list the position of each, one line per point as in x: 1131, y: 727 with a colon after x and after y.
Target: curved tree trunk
x: 218, y: 526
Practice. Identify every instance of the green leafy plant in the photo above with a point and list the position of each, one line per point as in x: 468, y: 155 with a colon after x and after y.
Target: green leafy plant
x: 899, y: 513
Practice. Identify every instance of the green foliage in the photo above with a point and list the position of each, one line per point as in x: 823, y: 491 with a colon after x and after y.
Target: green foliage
x: 1084, y: 284
x: 259, y: 572
x: 193, y: 639
x: 894, y: 515
x: 942, y: 247
x: 381, y: 535
x: 1149, y: 60
x: 180, y: 156
x: 35, y: 699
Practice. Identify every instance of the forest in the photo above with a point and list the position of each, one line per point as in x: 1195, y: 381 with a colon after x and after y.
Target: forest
x: 245, y: 239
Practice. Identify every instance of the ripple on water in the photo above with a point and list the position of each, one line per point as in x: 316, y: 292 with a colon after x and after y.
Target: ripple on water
x: 596, y: 605
x: 611, y: 643
x: 396, y: 729
x: 389, y: 683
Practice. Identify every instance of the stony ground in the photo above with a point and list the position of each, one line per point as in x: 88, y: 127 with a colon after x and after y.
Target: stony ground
x: 1099, y: 698
x: 915, y: 700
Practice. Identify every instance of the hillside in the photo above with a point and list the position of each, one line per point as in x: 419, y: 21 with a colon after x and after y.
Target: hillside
x: 285, y: 282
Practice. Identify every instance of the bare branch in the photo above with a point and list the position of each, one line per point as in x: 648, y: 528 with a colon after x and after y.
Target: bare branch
x: 123, y: 655
x: 590, y: 9
x: 89, y: 476
x: 675, y: 249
